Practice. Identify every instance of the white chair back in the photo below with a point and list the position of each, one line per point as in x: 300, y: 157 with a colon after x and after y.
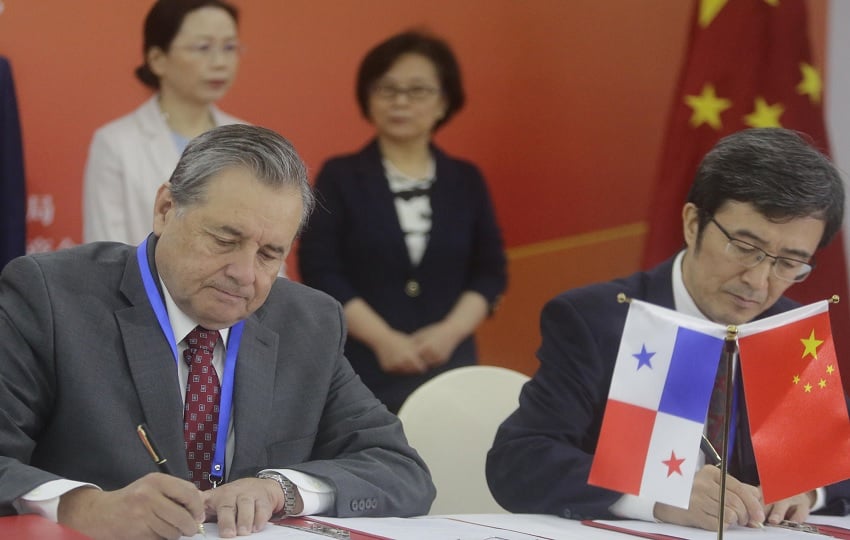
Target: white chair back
x: 451, y: 420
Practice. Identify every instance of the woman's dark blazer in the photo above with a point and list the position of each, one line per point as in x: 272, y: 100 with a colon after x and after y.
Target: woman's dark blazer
x: 353, y: 246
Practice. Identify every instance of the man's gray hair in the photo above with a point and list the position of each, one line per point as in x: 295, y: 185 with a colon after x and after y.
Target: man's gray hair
x: 270, y: 157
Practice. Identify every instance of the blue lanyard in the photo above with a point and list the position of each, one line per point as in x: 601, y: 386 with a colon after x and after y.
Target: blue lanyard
x: 233, y: 341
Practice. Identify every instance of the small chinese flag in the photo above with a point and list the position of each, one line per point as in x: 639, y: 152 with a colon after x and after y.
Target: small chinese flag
x: 795, y: 401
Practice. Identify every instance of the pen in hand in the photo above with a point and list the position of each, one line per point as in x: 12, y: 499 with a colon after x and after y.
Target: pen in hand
x: 711, y: 454
x: 157, y: 458
x: 161, y: 462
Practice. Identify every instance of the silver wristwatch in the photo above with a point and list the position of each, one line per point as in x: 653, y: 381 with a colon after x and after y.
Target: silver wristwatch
x: 288, y: 490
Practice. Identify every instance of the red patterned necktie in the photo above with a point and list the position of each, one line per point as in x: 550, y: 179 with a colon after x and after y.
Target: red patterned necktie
x: 200, y: 412
x: 717, y: 408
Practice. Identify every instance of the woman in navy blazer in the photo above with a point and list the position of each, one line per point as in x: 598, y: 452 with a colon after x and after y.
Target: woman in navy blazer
x: 405, y: 237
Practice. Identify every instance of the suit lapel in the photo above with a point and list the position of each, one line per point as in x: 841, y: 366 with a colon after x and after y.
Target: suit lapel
x: 659, y: 288
x: 253, y: 391
x: 380, y: 200
x: 153, y: 370
x: 444, y: 198
x: 158, y: 142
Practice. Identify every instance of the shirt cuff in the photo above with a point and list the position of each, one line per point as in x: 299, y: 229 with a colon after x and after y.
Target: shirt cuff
x: 633, y: 507
x: 820, y: 499
x: 317, y: 495
x: 44, y: 499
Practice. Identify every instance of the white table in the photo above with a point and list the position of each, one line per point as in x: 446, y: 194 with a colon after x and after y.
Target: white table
x: 522, y: 527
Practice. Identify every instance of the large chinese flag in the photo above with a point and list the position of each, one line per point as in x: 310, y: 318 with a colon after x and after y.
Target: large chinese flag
x: 748, y: 65
x: 796, y: 407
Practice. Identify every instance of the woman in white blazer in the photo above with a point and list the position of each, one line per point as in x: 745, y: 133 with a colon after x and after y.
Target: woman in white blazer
x: 191, y: 55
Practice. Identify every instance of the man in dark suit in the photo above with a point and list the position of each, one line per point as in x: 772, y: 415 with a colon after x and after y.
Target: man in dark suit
x: 13, y: 200
x: 763, y: 201
x: 93, y: 342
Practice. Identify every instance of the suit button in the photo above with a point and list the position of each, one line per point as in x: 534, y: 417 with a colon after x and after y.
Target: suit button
x: 411, y: 288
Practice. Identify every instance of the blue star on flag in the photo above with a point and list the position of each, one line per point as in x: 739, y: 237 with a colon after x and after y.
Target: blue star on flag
x: 643, y: 357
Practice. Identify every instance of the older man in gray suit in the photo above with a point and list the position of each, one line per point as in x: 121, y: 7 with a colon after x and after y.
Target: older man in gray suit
x: 101, y: 338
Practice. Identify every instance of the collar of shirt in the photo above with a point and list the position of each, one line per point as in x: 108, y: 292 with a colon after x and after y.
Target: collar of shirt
x: 182, y: 324
x: 682, y: 300
x: 400, y: 181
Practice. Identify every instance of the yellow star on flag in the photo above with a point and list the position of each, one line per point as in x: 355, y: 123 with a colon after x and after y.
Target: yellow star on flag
x: 811, y: 344
x: 796, y: 379
x: 811, y: 84
x: 707, y: 107
x: 822, y: 383
x: 708, y: 10
x: 764, y: 115
x: 808, y: 387
x: 829, y: 369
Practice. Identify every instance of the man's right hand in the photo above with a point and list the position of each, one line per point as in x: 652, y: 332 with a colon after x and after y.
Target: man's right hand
x: 154, y: 506
x: 743, y: 503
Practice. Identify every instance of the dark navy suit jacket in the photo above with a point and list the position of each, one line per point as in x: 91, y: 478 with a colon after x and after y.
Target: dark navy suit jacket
x: 542, y: 453
x: 12, y: 187
x: 353, y: 247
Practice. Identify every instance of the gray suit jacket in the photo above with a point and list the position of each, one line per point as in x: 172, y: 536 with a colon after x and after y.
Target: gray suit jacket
x: 83, y: 361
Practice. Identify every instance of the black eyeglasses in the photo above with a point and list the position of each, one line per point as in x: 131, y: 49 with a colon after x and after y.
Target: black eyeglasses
x: 750, y: 256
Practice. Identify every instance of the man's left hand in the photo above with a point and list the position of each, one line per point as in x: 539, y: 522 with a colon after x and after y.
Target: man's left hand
x: 243, y: 506
x: 794, y: 508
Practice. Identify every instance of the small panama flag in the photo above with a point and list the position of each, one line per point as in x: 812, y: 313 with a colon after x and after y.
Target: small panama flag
x: 795, y: 401
x: 657, y: 404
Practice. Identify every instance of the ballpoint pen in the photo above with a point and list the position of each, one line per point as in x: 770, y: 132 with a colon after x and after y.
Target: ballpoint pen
x: 714, y: 458
x: 709, y: 451
x: 157, y: 458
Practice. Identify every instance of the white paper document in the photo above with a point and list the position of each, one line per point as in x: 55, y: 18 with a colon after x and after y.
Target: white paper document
x: 521, y: 527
